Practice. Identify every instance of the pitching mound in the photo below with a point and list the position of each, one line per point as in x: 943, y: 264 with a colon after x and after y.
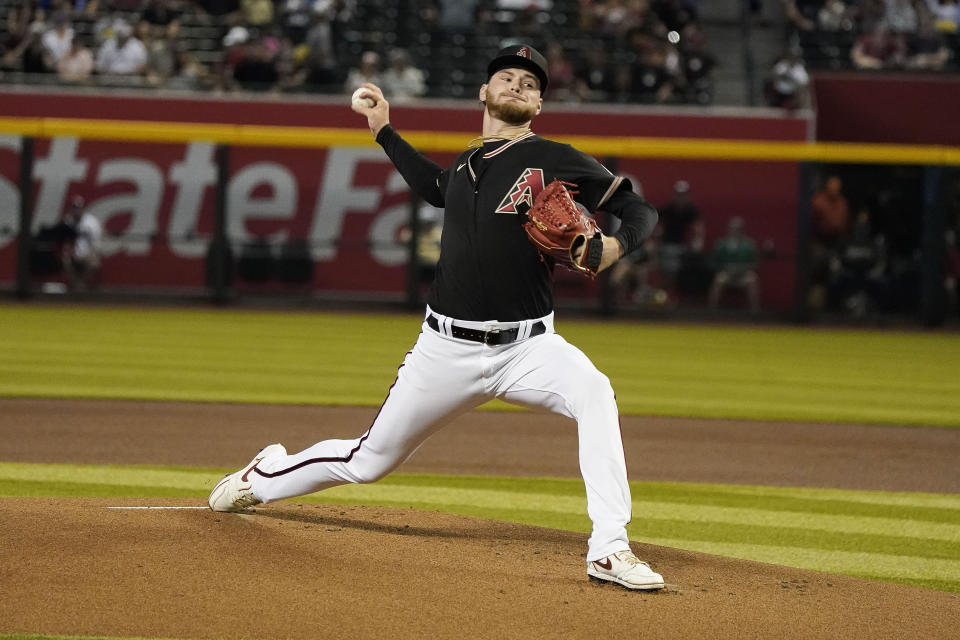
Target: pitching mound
x: 310, y: 571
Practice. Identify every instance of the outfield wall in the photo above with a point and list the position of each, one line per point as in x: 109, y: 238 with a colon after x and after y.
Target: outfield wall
x: 157, y: 201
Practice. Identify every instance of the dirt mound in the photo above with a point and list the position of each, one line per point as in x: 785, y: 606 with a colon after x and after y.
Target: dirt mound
x: 75, y: 566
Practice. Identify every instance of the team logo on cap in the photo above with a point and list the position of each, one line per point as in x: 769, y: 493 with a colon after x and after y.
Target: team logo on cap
x: 524, y: 52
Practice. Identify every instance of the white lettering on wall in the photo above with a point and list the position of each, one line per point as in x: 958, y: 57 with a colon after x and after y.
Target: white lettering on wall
x: 55, y: 173
x: 386, y: 248
x: 9, y: 198
x: 338, y: 195
x: 143, y: 204
x: 191, y: 178
x: 241, y: 205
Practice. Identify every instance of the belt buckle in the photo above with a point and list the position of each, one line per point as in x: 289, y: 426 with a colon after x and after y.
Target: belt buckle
x: 487, y: 333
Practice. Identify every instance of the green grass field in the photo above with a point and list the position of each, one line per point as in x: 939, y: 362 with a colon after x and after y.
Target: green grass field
x: 773, y: 373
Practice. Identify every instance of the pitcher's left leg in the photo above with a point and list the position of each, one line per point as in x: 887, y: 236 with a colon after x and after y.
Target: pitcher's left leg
x: 548, y: 372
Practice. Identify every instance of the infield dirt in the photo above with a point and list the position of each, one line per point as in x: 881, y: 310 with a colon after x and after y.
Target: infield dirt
x: 310, y: 571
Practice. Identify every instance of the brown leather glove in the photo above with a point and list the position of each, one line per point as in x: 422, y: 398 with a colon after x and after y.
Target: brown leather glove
x: 558, y: 228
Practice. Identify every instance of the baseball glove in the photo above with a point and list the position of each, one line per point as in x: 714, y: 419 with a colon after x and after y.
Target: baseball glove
x: 558, y: 228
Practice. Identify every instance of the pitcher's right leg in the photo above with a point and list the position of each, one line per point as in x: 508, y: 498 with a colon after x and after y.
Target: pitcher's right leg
x: 439, y: 379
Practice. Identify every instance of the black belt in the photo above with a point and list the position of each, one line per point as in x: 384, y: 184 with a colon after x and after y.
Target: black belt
x: 493, y: 336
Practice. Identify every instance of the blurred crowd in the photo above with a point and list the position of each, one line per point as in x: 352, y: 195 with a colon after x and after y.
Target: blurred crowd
x: 866, y: 245
x: 910, y: 35
x: 619, y: 51
x: 626, y: 51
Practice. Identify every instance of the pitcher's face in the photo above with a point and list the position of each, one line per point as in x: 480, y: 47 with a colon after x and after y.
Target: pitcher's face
x: 512, y: 95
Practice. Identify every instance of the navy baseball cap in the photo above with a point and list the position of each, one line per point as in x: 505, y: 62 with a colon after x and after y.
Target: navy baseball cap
x: 521, y: 56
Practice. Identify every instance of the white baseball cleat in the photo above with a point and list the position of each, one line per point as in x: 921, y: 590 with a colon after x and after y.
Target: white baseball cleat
x: 625, y: 569
x: 234, y: 493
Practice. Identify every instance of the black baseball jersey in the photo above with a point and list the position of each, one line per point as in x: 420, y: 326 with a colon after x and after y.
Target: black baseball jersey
x: 488, y: 268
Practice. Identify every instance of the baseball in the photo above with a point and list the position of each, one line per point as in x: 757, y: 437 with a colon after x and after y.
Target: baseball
x: 361, y: 101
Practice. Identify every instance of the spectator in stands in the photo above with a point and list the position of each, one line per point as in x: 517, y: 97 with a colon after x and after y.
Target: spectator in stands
x: 76, y: 65
x: 901, y: 16
x: 879, y: 49
x: 457, y: 15
x: 162, y: 12
x: 631, y: 276
x: 33, y: 57
x: 57, y: 40
x: 192, y: 75
x: 927, y: 47
x: 946, y: 14
x: 830, y: 221
x: 81, y: 7
x: 319, y: 68
x: 402, y: 81
x: 368, y: 71
x: 221, y: 10
x: 595, y: 78
x: 836, y: 15
x: 163, y: 54
x: 657, y: 75
x: 802, y: 15
x: 858, y: 280
x: 25, y: 25
x: 257, y: 68
x: 82, y: 257
x: 674, y: 14
x: 831, y: 214
x: 697, y: 63
x: 788, y: 83
x: 122, y: 54
x: 622, y: 87
x: 234, y: 50
x: 951, y: 270
x: 562, y: 77
x: 295, y: 18
x: 734, y: 259
x: 617, y: 17
x: 257, y: 13
x: 528, y: 25
x: 18, y: 22
x: 682, y: 235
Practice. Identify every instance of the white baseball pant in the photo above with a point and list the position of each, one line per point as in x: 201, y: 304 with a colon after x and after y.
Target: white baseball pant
x: 443, y: 377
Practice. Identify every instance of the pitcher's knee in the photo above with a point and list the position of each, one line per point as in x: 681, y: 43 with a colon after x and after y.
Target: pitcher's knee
x: 591, y: 389
x: 370, y: 469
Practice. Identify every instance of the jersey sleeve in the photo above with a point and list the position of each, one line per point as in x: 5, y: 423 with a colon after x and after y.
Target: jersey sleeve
x: 594, y: 181
x: 599, y: 189
x: 422, y: 174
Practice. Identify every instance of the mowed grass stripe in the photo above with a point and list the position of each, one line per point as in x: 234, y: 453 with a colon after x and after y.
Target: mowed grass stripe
x: 775, y: 373
x: 685, y: 522
x: 699, y: 500
x: 934, y: 573
x: 918, y: 506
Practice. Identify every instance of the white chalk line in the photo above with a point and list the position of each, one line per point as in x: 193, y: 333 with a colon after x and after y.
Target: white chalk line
x: 158, y: 507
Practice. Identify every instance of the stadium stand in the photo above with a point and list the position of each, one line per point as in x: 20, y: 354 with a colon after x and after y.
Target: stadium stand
x: 654, y: 52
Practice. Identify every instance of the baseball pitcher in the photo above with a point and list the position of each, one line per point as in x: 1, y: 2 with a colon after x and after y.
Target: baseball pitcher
x: 488, y: 331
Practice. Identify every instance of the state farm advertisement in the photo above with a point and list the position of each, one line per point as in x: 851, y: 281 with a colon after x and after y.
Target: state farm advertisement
x: 157, y: 203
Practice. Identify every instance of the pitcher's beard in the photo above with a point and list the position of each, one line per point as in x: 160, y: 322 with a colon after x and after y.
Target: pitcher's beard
x: 510, y: 111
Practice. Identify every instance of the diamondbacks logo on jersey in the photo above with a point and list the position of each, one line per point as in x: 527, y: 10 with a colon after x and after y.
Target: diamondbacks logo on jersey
x: 523, y: 191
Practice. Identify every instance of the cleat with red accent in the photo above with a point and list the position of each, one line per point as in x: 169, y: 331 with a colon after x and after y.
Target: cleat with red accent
x: 234, y: 491
x: 623, y: 568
